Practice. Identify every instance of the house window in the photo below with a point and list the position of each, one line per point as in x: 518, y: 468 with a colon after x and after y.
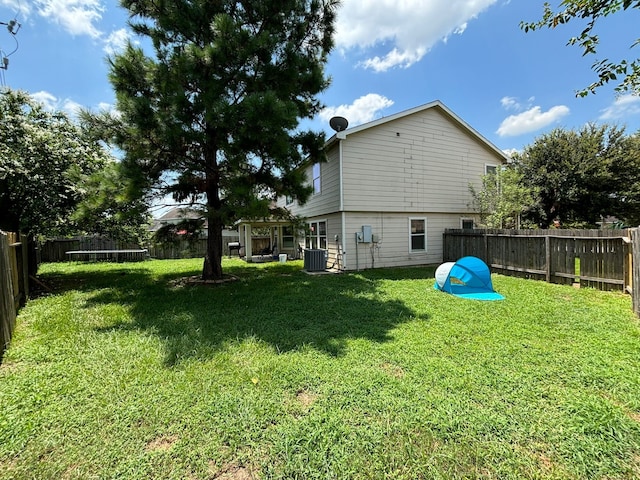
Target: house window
x: 287, y: 236
x: 316, y: 178
x: 417, y: 234
x: 288, y: 200
x: 466, y: 223
x: 491, y: 169
x: 317, y: 236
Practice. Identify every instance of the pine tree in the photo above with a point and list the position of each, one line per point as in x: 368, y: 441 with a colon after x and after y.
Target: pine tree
x: 212, y: 118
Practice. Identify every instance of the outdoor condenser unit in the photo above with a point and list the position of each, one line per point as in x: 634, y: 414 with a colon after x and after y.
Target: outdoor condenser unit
x: 315, y: 260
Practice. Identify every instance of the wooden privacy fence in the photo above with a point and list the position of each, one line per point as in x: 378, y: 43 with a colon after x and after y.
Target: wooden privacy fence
x: 198, y: 249
x: 55, y: 250
x: 182, y: 249
x: 601, y: 259
x: 635, y: 269
x: 14, y: 283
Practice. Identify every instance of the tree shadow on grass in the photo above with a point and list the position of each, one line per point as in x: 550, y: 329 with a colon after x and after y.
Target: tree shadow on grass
x: 279, y: 305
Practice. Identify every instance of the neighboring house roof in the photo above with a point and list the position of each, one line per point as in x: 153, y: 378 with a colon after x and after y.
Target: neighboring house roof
x: 435, y: 104
x: 180, y: 213
x: 175, y: 215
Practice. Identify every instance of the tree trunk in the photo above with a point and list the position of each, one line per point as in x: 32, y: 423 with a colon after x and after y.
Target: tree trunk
x: 212, y: 268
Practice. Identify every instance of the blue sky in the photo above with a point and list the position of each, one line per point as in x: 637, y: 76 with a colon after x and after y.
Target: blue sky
x: 390, y: 56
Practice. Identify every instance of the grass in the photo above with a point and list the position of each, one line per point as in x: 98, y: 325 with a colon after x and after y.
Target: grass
x: 122, y: 373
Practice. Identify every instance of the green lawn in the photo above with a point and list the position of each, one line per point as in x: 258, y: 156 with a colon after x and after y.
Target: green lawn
x: 122, y: 373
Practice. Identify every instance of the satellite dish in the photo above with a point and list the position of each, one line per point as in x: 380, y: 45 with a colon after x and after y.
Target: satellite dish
x: 338, y: 123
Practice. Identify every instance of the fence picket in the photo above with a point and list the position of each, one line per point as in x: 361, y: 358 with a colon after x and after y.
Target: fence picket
x: 14, y: 284
x: 549, y: 255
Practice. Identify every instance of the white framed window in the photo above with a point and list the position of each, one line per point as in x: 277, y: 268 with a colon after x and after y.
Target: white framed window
x: 317, y: 235
x: 316, y: 178
x: 466, y: 223
x: 288, y: 200
x: 417, y: 234
x: 490, y: 169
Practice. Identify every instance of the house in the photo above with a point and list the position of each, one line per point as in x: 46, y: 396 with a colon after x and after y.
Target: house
x: 388, y: 191
x: 174, y: 216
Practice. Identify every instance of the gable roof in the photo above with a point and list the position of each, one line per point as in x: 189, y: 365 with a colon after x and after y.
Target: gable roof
x: 437, y: 104
x: 176, y: 215
x: 180, y: 213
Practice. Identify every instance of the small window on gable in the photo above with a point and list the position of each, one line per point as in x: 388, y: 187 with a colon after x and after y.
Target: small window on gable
x: 490, y: 169
x: 466, y: 223
x: 316, y: 178
x: 417, y: 234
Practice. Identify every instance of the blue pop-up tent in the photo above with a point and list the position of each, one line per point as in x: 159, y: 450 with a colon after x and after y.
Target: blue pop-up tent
x: 469, y: 277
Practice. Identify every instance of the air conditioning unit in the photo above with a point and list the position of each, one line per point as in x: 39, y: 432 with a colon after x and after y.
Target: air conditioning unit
x: 315, y: 260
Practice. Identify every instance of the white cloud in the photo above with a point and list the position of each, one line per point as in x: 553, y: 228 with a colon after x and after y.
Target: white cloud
x: 394, y: 58
x: 362, y: 110
x: 20, y: 8
x: 71, y: 108
x: 510, y: 103
x: 77, y: 17
x: 623, y: 106
x: 116, y: 41
x: 510, y: 152
x: 513, y: 103
x: 110, y: 109
x: 531, y: 120
x: 407, y: 29
x: 46, y: 99
x: 52, y: 103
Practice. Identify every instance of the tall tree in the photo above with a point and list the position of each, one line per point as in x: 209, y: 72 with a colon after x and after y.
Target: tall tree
x: 588, y: 40
x: 625, y: 172
x: 212, y: 117
x: 580, y: 174
x: 44, y: 157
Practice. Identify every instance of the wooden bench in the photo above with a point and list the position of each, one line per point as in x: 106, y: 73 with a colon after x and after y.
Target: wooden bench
x: 127, y: 255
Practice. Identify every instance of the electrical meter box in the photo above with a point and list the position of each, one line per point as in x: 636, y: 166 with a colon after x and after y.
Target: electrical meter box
x: 366, y: 234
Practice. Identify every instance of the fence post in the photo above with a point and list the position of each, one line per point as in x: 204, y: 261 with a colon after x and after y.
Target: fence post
x: 24, y: 264
x: 486, y: 249
x: 7, y: 299
x: 635, y: 269
x: 547, y: 251
x: 628, y: 263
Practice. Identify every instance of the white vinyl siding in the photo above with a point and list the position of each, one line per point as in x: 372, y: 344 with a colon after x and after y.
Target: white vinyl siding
x: 392, y: 232
x: 422, y: 162
x: 328, y: 200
